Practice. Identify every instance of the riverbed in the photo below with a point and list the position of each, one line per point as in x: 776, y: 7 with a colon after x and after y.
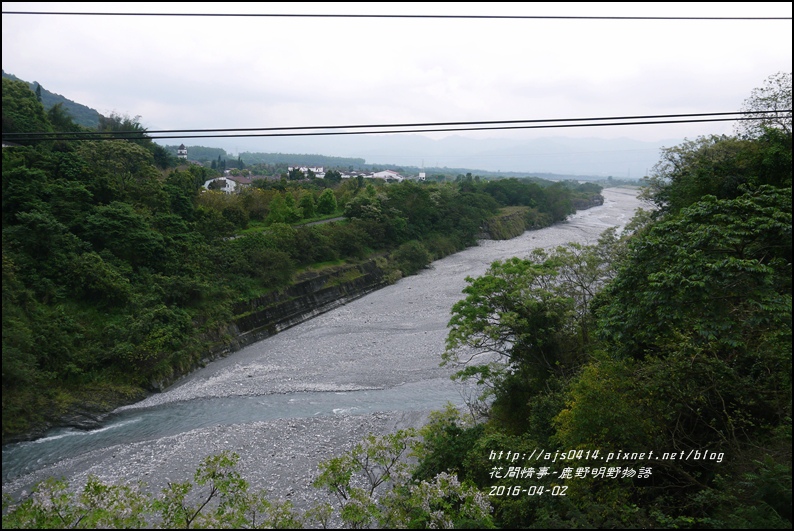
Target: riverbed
x: 306, y: 394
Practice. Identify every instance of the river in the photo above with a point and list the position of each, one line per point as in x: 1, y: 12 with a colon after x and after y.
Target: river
x: 306, y: 394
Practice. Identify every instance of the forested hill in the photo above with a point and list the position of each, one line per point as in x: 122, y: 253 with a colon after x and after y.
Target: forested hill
x: 121, y: 270
x: 82, y: 115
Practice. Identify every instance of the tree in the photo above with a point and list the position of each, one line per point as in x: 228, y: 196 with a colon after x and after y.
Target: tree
x: 533, y: 313
x: 717, y: 275
x: 379, y: 462
x: 411, y: 257
x: 22, y: 112
x: 127, y: 127
x: 326, y: 203
x: 38, y: 92
x: 128, y: 235
x: 307, y: 205
x: 217, y: 498
x: 60, y: 119
x: 283, y: 210
x: 121, y: 170
x: 333, y: 176
x: 774, y: 98
x: 710, y: 165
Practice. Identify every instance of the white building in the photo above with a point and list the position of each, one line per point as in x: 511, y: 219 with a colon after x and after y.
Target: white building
x: 318, y: 171
x: 229, y: 183
x: 181, y: 152
x: 388, y: 175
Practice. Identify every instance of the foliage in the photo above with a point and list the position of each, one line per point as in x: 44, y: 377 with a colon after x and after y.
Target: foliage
x: 440, y: 502
x: 533, y: 312
x: 121, y: 268
x: 774, y: 100
x: 22, y: 112
x: 411, y: 257
x: 326, y: 203
x: 216, y: 498
x: 719, y: 274
x: 721, y: 166
x: 82, y: 115
x: 681, y: 329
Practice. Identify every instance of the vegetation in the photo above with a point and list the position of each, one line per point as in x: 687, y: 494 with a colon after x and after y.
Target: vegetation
x: 80, y: 114
x: 652, y: 371
x: 120, y: 271
x: 672, y: 337
x: 369, y: 485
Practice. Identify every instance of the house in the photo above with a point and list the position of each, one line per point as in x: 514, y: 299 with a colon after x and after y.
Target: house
x: 240, y: 180
x: 228, y: 183
x: 388, y: 175
x: 318, y: 171
x: 181, y: 152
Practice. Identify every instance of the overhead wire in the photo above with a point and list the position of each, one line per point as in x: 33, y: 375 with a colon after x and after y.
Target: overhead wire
x: 349, y: 15
x: 428, y: 127
x: 323, y: 130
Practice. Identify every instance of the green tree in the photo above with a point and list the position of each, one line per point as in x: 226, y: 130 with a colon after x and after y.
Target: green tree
x: 283, y: 210
x: 326, y: 203
x: 307, y: 205
x: 60, y: 119
x: 713, y: 165
x: 774, y: 100
x: 333, y: 177
x: 124, y: 232
x: 53, y: 506
x: 22, y: 112
x: 120, y: 170
x: 534, y: 314
x: 371, y: 484
x: 721, y: 289
x: 411, y: 257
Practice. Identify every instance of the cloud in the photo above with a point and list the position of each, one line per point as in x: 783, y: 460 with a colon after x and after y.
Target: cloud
x: 215, y: 72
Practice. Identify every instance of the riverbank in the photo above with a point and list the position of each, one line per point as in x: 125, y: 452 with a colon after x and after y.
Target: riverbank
x: 311, y: 294
x: 391, y: 337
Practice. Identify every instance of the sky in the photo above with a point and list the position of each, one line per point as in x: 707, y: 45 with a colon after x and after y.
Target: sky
x: 190, y: 72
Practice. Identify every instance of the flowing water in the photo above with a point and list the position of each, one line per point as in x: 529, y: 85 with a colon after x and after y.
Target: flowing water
x: 378, y: 353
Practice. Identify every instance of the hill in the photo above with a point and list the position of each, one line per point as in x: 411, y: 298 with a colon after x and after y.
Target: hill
x: 81, y: 114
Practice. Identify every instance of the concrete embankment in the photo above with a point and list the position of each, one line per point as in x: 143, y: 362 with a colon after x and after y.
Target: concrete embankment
x: 314, y: 293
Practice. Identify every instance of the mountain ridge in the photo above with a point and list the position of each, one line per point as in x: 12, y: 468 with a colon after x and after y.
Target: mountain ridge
x: 81, y: 114
x: 623, y: 158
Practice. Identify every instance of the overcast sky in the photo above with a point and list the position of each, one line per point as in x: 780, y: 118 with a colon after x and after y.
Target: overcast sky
x: 245, y: 72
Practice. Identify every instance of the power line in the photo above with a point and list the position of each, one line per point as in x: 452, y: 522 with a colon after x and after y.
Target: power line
x: 132, y: 135
x: 332, y: 15
x: 424, y: 124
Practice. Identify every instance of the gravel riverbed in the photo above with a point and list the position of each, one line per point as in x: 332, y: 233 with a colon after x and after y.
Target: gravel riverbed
x: 388, y: 338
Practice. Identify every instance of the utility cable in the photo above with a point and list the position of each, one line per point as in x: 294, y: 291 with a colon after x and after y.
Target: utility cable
x: 426, y: 124
x: 331, y: 15
x: 117, y: 135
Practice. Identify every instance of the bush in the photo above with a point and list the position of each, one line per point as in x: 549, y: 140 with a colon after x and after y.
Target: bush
x: 411, y: 257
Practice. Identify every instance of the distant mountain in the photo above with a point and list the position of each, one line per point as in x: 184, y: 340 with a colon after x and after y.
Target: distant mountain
x: 622, y: 158
x: 592, y: 157
x: 81, y: 114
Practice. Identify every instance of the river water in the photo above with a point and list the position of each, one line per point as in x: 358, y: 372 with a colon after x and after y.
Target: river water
x: 305, y: 394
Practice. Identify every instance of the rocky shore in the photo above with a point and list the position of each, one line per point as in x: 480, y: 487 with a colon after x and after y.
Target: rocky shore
x: 388, y: 338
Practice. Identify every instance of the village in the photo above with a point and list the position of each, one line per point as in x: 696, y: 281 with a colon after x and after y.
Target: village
x: 236, y: 179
